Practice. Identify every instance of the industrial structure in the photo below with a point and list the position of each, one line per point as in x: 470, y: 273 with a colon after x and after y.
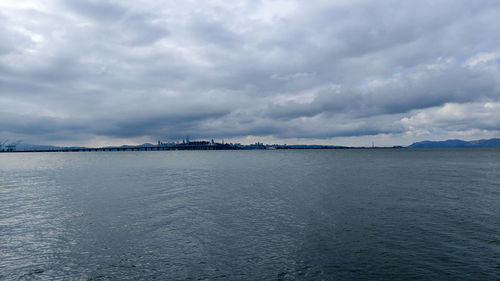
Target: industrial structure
x: 185, y: 144
x: 197, y: 145
x: 11, y: 147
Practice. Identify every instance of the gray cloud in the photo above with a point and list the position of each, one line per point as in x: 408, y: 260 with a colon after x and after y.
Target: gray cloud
x: 97, y: 10
x: 116, y: 70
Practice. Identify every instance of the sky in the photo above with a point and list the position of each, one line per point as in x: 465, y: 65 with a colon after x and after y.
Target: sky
x: 311, y: 72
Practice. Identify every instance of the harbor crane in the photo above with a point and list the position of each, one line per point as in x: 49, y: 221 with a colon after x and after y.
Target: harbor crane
x: 2, y: 144
x: 11, y: 146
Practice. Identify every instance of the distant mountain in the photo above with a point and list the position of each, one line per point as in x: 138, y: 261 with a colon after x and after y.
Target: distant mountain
x: 486, y: 143
x: 456, y: 144
x: 30, y: 147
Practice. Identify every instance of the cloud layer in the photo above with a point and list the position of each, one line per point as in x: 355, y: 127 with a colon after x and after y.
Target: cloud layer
x: 340, y: 72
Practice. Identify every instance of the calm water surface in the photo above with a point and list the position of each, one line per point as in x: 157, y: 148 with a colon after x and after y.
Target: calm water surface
x: 251, y: 215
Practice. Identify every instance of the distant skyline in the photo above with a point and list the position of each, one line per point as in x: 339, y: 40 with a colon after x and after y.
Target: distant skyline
x: 97, y: 73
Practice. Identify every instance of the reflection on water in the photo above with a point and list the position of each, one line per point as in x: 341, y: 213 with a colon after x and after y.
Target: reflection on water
x: 251, y: 215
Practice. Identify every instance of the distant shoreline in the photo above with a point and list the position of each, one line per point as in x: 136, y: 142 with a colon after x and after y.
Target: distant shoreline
x: 206, y: 145
x: 159, y: 148
x: 133, y: 148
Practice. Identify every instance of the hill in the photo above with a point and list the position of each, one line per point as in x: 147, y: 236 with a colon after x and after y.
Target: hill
x: 457, y: 144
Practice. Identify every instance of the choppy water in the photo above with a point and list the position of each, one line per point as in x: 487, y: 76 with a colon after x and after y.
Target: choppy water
x: 251, y: 215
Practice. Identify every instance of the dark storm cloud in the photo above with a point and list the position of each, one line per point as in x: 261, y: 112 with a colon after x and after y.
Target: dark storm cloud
x: 20, y: 124
x: 117, y: 22
x: 176, y: 124
x: 105, y: 11
x: 420, y: 87
x: 121, y: 69
x: 215, y: 33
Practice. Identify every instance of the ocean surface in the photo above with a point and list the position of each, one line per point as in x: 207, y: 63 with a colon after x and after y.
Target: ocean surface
x: 251, y: 215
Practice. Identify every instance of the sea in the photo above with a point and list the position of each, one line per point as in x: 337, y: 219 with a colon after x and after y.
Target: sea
x: 360, y: 214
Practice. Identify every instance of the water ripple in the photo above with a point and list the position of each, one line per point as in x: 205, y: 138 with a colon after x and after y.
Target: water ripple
x: 272, y: 215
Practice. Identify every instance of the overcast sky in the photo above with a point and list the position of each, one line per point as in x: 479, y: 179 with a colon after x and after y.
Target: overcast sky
x: 332, y: 72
